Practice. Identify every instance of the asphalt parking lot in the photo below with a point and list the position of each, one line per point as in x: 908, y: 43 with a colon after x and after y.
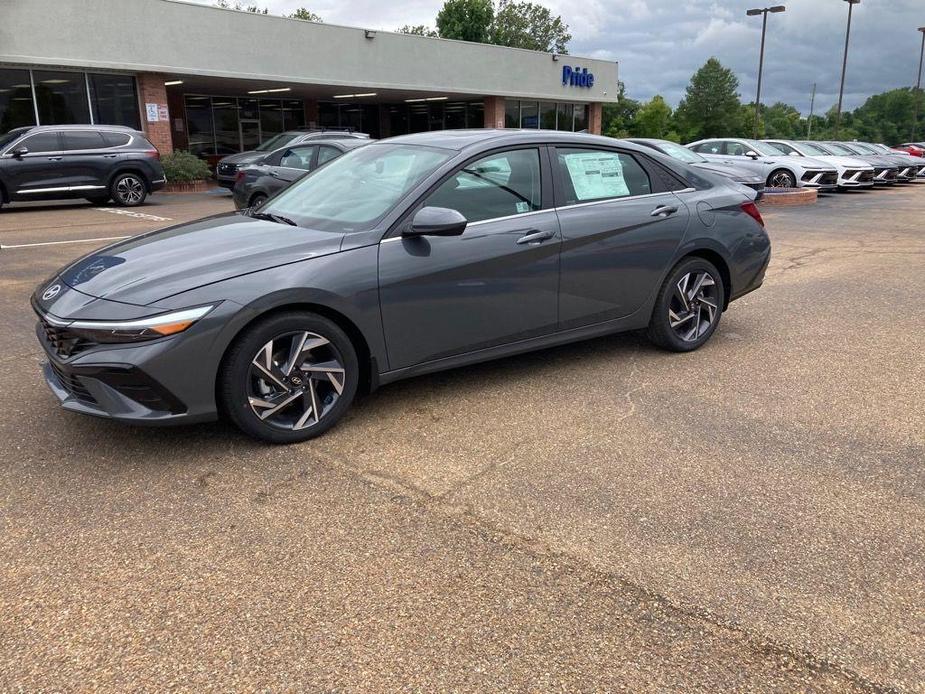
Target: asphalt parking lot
x: 750, y: 516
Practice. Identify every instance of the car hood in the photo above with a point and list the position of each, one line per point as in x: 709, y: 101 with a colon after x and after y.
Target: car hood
x: 736, y: 173
x: 151, y: 267
x: 847, y: 162
x: 251, y: 157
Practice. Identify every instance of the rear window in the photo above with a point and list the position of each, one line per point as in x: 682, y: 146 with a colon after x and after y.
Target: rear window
x: 82, y: 139
x: 116, y: 139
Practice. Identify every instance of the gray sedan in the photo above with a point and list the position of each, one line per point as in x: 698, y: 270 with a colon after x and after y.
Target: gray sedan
x: 696, y: 161
x: 407, y: 256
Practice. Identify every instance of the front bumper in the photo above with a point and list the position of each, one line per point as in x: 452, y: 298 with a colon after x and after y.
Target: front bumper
x: 884, y: 176
x: 854, y: 178
x: 821, y: 180
x: 225, y: 174
x: 170, y: 380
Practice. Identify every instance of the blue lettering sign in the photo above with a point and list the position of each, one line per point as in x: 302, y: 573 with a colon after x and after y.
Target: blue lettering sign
x: 577, y: 77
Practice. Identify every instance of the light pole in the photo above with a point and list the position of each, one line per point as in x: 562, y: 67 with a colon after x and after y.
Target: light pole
x: 844, y: 65
x: 764, y: 28
x: 918, y: 89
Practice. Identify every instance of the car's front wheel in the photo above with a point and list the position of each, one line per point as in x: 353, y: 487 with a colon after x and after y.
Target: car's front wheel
x: 128, y: 190
x: 258, y: 200
x: 688, y: 307
x: 782, y: 179
x: 289, y: 377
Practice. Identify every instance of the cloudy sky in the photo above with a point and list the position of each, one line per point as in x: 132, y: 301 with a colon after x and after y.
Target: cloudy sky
x: 659, y: 43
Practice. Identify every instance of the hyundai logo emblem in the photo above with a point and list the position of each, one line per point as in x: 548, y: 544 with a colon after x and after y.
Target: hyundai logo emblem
x: 51, y: 292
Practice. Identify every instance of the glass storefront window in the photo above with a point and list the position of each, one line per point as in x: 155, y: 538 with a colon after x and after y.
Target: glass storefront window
x: 564, y: 121
x: 199, y: 125
x: 16, y: 107
x: 61, y: 97
x: 581, y: 117
x: 455, y: 115
x: 293, y: 114
x: 475, y: 114
x: 114, y: 100
x: 271, y: 117
x: 512, y: 114
x: 418, y: 118
x: 436, y: 116
x: 547, y: 115
x: 225, y: 120
x: 529, y: 114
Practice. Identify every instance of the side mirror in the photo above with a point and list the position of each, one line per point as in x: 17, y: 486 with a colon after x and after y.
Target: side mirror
x: 752, y: 153
x: 436, y: 221
x: 20, y: 152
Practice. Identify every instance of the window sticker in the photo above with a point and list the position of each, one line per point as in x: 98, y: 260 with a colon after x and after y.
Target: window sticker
x: 596, y: 175
x: 522, y: 207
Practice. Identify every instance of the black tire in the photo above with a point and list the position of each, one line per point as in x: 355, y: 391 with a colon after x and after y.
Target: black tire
x: 669, y: 328
x: 258, y: 200
x: 128, y: 190
x: 237, y: 381
x: 98, y: 200
x: 781, y: 178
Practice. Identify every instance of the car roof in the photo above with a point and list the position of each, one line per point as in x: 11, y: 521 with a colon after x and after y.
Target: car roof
x: 477, y: 137
x: 83, y: 126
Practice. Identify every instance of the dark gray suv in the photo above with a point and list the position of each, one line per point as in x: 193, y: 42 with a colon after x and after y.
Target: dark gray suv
x: 409, y: 255
x: 96, y: 162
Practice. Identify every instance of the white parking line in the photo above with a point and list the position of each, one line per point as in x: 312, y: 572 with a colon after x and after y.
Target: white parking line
x: 134, y: 215
x: 57, y: 243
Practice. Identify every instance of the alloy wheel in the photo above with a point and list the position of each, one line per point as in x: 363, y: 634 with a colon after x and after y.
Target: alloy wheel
x: 130, y: 190
x: 693, y: 306
x: 782, y: 179
x: 295, y: 379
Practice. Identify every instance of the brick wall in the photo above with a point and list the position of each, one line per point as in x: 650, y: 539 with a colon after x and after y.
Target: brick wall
x: 151, y: 90
x: 494, y: 111
x: 595, y: 118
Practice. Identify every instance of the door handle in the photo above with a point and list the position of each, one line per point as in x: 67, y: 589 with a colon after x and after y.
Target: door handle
x: 664, y: 211
x: 110, y: 156
x: 55, y: 158
x: 536, y: 236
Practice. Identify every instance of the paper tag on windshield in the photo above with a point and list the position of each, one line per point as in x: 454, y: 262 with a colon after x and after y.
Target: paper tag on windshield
x: 522, y: 207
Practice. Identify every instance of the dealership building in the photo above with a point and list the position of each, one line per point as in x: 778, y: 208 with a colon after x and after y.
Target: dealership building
x: 216, y: 81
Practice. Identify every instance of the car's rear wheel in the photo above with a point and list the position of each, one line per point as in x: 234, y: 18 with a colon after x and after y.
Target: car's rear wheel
x: 258, y: 200
x: 782, y: 179
x: 98, y: 199
x: 688, y: 307
x: 128, y: 190
x: 289, y: 378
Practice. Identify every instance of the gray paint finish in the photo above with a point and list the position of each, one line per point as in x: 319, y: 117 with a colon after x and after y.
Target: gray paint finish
x: 182, y: 38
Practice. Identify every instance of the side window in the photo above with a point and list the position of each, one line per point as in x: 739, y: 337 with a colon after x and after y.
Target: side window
x: 297, y: 157
x: 327, y: 153
x: 500, y: 185
x: 736, y: 149
x: 599, y: 175
x: 42, y: 142
x: 709, y: 148
x: 786, y: 149
x: 116, y: 139
x: 82, y: 139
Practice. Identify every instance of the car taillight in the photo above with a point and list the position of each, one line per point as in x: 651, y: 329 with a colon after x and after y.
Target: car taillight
x: 751, y: 209
x: 153, y: 153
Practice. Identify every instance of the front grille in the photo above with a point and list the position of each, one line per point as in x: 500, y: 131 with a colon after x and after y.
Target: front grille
x: 866, y: 177
x: 890, y: 174
x: 227, y: 169
x: 829, y: 178
x: 73, y: 385
x: 63, y: 342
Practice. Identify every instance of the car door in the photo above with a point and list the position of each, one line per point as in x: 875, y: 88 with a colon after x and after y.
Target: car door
x: 84, y: 165
x: 734, y: 152
x: 494, y: 284
x: 294, y: 162
x: 37, y: 171
x: 621, y: 225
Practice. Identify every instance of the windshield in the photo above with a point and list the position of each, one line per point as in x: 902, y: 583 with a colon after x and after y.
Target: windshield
x: 763, y: 148
x: 840, y: 149
x: 813, y: 149
x: 277, y: 141
x: 864, y: 149
x: 351, y: 193
x: 10, y: 136
x: 678, y: 152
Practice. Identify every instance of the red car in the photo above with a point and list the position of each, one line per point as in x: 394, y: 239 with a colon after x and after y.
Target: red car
x: 916, y: 149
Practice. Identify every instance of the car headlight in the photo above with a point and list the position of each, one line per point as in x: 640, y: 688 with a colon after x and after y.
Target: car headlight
x: 138, y: 330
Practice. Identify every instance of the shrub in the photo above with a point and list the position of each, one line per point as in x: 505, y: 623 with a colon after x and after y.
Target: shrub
x: 183, y: 167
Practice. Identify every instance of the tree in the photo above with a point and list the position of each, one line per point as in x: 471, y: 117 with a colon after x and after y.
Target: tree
x: 885, y: 117
x: 531, y: 26
x: 418, y: 30
x: 783, y: 121
x: 618, y: 118
x: 226, y: 4
x: 305, y: 15
x: 466, y: 20
x: 710, y: 107
x: 653, y: 119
